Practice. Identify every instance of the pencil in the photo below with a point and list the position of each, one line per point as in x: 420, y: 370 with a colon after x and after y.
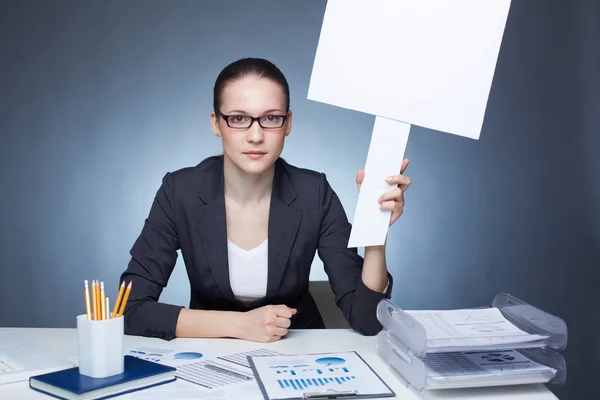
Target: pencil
x: 102, y: 300
x: 107, y: 308
x: 119, y: 297
x: 124, y: 301
x: 99, y: 300
x: 88, y: 311
x: 94, y: 301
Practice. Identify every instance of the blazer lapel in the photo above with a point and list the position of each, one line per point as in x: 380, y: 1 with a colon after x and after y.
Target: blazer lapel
x: 283, y: 227
x: 211, y: 223
x: 212, y: 227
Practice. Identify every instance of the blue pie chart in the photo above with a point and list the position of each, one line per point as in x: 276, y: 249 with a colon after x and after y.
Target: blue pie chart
x: 188, y: 355
x: 330, y: 360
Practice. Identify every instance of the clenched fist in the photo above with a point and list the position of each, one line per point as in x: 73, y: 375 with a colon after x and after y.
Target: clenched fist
x: 266, y: 324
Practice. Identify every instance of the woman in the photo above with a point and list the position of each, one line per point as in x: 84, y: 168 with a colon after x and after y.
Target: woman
x: 248, y: 225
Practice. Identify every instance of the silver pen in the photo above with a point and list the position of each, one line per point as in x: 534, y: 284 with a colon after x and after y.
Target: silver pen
x: 228, y: 371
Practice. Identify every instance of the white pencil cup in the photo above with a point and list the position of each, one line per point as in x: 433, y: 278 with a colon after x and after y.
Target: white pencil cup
x: 100, y: 346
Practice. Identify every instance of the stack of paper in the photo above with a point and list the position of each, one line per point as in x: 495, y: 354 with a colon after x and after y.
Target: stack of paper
x: 482, y: 329
x: 447, y: 349
x: 483, y: 368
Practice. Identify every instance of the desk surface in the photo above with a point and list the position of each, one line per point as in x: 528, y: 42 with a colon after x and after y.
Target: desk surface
x: 64, y: 342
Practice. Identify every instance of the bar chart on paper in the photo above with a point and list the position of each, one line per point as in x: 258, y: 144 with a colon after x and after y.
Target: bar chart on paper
x: 317, y: 371
x: 314, y: 377
x: 301, y: 384
x: 291, y: 376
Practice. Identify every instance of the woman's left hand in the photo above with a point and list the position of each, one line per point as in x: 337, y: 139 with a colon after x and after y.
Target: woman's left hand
x: 392, y: 199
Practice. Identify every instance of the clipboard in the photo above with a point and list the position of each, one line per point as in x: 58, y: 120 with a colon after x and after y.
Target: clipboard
x: 332, y: 394
x: 276, y: 375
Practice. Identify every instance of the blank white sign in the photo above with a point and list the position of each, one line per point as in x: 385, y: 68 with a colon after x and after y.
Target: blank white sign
x: 423, y: 62
x: 386, y: 152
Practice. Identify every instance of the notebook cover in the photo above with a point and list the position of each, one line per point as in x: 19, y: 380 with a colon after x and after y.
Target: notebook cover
x: 70, y: 379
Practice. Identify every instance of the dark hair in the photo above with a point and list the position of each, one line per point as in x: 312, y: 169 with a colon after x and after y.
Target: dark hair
x: 249, y: 66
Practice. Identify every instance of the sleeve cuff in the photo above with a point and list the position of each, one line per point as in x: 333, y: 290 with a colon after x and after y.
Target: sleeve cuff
x: 153, y: 319
x: 364, y: 310
x: 388, y: 288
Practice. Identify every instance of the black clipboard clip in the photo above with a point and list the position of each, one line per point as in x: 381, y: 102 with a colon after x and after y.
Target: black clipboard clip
x: 331, y: 394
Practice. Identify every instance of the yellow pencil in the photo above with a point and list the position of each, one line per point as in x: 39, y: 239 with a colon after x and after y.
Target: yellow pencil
x: 99, y: 300
x: 94, y: 301
x: 118, y: 300
x: 102, y: 300
x: 125, y: 298
x: 88, y: 311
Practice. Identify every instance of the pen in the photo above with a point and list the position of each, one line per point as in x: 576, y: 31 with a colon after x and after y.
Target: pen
x: 228, y: 372
x: 107, y: 308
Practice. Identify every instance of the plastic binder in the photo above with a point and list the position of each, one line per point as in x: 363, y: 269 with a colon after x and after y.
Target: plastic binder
x: 403, y: 345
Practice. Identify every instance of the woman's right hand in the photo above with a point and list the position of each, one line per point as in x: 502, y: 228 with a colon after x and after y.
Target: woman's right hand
x: 266, y: 324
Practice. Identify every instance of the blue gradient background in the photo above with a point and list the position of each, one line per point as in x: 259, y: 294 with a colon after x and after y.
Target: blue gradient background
x: 99, y: 99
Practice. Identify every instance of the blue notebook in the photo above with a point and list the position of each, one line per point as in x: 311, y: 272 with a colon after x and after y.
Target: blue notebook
x: 69, y: 384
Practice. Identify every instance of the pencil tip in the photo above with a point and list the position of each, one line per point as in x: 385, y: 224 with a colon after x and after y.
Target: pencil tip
x: 130, y: 282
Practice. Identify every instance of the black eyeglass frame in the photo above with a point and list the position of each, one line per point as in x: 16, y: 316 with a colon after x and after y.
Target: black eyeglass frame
x: 252, y: 119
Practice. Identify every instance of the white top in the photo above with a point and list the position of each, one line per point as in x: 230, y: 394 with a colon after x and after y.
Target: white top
x: 248, y: 271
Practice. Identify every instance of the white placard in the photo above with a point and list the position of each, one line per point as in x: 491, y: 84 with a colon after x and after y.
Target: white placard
x: 422, y: 62
x: 386, y: 152
x: 427, y: 62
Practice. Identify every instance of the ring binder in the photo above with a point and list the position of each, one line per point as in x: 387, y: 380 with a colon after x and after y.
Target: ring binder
x: 331, y: 394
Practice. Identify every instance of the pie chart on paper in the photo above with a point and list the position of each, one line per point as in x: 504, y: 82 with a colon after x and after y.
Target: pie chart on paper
x: 330, y: 361
x: 188, y: 355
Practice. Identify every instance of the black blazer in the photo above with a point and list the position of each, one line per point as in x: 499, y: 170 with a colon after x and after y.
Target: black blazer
x: 188, y: 213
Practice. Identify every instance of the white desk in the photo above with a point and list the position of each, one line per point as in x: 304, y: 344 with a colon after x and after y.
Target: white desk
x: 64, y: 342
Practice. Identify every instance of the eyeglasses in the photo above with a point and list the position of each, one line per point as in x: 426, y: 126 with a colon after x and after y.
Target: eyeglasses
x: 239, y: 121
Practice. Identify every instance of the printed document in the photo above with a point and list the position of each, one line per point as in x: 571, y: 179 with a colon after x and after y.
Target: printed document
x: 293, y: 376
x: 483, y: 368
x: 202, y: 372
x: 484, y: 328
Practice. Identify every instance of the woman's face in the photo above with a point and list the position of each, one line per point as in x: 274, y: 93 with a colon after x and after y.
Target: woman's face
x: 254, y: 149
